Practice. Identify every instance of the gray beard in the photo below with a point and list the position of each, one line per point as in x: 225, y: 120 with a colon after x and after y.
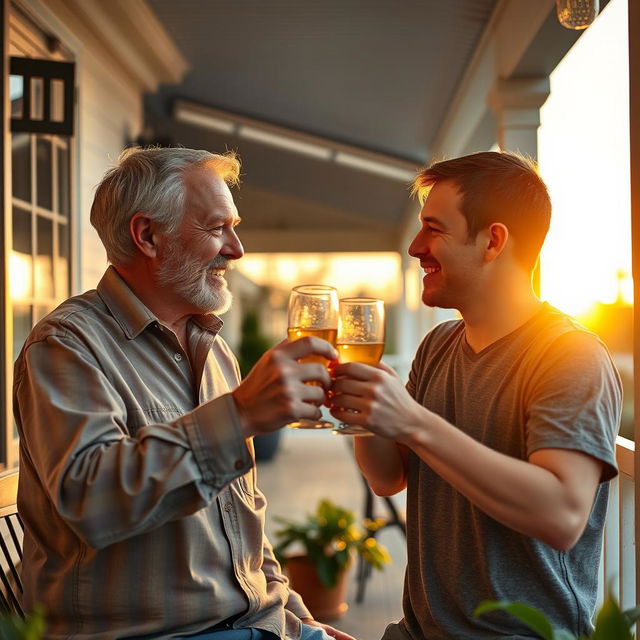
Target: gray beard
x: 189, y: 280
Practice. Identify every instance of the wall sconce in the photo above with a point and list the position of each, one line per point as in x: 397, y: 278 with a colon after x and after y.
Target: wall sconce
x: 577, y: 14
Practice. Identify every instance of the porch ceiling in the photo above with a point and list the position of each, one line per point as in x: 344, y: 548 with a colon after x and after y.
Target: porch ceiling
x: 378, y: 76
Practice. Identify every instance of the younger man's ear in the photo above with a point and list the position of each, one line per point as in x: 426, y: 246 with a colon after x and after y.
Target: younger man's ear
x: 143, y: 233
x: 496, y: 235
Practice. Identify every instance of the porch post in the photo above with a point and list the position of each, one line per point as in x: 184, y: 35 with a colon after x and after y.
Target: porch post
x: 5, y: 238
x: 516, y: 104
x: 634, y: 139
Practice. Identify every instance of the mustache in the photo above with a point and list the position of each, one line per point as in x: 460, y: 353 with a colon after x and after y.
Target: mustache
x: 220, y: 262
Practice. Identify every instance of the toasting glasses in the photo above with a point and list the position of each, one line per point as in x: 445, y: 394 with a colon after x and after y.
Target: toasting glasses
x: 360, y: 339
x: 313, y: 311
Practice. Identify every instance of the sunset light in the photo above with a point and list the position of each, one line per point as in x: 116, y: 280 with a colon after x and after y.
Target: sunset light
x: 584, y: 158
x: 373, y: 274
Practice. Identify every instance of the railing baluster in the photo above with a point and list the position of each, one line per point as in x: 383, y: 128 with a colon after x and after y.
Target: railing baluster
x: 618, y: 566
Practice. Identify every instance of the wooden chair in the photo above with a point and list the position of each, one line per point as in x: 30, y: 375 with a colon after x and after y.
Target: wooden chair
x: 11, y: 533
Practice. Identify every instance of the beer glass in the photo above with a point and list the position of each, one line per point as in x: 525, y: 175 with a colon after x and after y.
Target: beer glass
x: 360, y: 339
x: 313, y: 311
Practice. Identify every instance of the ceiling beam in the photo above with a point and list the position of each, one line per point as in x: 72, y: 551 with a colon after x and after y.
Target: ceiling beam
x: 514, y: 25
x: 317, y: 241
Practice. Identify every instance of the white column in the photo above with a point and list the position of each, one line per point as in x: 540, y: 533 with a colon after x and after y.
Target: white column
x: 516, y: 104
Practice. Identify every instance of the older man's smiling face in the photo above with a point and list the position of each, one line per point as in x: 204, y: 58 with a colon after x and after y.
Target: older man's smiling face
x: 193, y: 260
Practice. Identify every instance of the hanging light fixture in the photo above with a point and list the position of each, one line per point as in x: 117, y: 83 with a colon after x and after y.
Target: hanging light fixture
x: 577, y: 14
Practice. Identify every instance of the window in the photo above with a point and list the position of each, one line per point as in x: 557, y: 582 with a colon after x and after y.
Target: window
x: 41, y: 212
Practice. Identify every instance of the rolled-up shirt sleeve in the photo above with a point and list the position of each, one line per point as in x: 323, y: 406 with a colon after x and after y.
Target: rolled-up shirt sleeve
x: 107, y: 483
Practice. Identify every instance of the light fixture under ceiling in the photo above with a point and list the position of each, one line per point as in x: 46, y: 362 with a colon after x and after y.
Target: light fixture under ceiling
x: 293, y: 141
x: 577, y: 14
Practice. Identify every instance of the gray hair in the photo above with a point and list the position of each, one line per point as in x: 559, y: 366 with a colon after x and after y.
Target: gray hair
x: 149, y: 180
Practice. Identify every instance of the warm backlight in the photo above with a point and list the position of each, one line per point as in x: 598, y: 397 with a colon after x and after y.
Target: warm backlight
x: 584, y: 158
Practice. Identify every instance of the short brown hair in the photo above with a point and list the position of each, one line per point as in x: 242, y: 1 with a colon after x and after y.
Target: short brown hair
x: 497, y: 187
x: 149, y: 180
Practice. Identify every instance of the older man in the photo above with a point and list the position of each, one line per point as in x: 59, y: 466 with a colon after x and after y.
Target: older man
x: 137, y: 481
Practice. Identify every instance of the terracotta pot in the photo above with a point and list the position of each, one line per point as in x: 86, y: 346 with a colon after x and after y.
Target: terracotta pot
x: 325, y: 603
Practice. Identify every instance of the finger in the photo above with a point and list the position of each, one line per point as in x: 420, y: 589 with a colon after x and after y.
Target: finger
x: 332, y: 631
x: 310, y: 345
x: 351, y: 387
x: 314, y: 372
x: 306, y: 410
x: 349, y: 416
x: 356, y: 370
x: 336, y: 633
x: 350, y: 403
x: 311, y: 393
x: 385, y: 367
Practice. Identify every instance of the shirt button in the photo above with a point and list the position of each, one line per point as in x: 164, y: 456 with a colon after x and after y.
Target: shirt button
x: 177, y: 357
x: 238, y: 465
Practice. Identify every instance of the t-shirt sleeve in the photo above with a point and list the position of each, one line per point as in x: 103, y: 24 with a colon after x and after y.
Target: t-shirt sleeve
x: 575, y: 399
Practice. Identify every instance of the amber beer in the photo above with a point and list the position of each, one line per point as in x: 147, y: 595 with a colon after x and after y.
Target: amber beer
x: 329, y: 335
x: 360, y: 339
x: 365, y: 352
x: 313, y: 311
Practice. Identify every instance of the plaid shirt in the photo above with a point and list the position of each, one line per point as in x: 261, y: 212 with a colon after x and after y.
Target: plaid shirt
x: 137, y: 487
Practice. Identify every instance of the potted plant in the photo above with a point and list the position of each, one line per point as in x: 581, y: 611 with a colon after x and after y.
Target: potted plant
x: 326, y: 542
x: 611, y: 622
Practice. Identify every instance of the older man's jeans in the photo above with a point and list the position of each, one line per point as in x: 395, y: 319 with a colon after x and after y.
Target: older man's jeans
x: 308, y: 632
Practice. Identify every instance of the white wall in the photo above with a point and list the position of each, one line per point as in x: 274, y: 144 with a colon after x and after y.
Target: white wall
x: 121, y: 51
x: 110, y: 114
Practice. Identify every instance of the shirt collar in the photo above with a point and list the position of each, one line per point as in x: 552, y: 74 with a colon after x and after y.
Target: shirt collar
x: 129, y: 311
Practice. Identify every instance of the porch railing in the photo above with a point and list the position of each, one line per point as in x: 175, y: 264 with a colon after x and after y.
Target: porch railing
x: 618, y: 560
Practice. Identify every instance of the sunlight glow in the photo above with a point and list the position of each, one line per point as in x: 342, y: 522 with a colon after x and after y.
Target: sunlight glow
x: 372, y: 274
x: 20, y: 276
x: 584, y: 159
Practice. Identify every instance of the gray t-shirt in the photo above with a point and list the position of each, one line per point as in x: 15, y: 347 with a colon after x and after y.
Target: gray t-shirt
x: 548, y: 384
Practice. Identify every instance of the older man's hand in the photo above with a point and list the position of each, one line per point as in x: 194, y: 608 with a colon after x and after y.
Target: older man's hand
x: 328, y: 629
x: 274, y: 392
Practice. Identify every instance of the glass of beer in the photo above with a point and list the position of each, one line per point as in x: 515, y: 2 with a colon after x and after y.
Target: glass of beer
x: 313, y: 311
x: 360, y: 339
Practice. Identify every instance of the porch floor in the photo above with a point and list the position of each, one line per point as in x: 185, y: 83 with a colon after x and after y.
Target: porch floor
x: 309, y: 466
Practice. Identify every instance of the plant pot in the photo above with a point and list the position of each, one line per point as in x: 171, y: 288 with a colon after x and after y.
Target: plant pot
x: 324, y: 603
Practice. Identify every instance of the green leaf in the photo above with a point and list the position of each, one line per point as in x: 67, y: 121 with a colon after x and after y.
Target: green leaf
x: 530, y: 616
x: 327, y: 571
x: 13, y: 627
x: 631, y: 615
x: 611, y: 623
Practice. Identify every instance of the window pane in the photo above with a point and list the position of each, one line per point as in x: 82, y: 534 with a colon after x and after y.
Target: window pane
x: 21, y: 166
x: 41, y: 310
x: 44, y: 259
x: 44, y: 196
x: 64, y: 185
x: 37, y: 98
x: 16, y: 91
x: 21, y: 326
x: 57, y: 100
x: 21, y: 221
x: 21, y: 263
x: 62, y: 270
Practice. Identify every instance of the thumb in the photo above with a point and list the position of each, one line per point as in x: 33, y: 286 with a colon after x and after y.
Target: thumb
x: 387, y: 368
